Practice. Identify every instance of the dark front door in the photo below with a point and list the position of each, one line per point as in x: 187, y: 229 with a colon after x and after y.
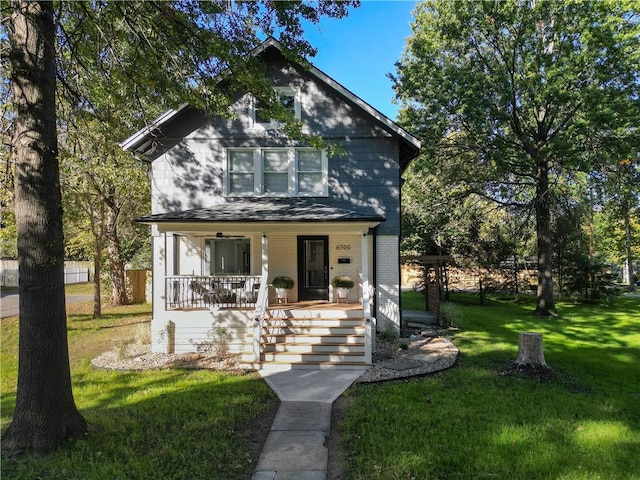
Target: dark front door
x: 313, y: 268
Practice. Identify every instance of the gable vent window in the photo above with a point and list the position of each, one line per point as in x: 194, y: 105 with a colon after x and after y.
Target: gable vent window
x: 276, y: 172
x: 287, y: 98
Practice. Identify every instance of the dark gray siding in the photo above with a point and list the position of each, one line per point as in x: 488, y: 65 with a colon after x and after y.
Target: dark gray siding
x: 189, y: 171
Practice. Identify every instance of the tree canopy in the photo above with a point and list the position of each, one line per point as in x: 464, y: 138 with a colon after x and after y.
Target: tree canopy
x: 515, y: 96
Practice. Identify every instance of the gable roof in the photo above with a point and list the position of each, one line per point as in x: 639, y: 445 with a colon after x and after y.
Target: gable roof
x: 142, y: 141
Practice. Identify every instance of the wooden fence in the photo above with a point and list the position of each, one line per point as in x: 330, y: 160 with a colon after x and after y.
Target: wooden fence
x: 138, y: 282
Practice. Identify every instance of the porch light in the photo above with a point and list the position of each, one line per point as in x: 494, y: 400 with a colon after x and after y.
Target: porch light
x: 219, y: 235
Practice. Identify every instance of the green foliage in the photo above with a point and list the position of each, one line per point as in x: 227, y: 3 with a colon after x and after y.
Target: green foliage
x: 342, y: 281
x: 450, y: 315
x: 588, y: 281
x: 8, y: 237
x: 477, y: 420
x: 389, y: 334
x: 512, y: 98
x: 8, y: 232
x: 283, y: 282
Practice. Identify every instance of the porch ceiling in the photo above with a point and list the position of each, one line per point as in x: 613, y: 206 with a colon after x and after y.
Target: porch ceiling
x: 263, y: 215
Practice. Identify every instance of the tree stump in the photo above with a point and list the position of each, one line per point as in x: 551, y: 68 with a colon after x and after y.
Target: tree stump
x: 530, y: 354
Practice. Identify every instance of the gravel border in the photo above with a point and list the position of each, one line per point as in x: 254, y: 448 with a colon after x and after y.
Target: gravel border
x: 429, y: 355
x: 422, y: 356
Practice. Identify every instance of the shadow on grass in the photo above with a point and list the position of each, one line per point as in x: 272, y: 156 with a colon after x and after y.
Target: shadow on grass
x: 114, y: 325
x: 107, y: 320
x: 474, y: 422
x: 162, y: 424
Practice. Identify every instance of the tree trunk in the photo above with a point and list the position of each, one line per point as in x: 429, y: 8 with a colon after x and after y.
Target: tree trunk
x: 97, y: 301
x: 627, y: 244
x: 98, y: 238
x: 45, y: 412
x: 116, y: 266
x: 544, y: 303
x: 530, y: 353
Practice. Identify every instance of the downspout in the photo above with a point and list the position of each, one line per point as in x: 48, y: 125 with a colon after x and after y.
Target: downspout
x: 374, y: 272
x: 401, y: 183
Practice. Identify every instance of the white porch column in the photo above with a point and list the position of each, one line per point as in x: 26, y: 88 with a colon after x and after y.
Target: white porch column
x: 257, y: 325
x: 366, y: 300
x: 265, y: 256
x: 162, y: 248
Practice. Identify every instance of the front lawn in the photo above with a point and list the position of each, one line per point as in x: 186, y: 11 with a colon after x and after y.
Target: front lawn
x: 169, y: 424
x: 479, y: 420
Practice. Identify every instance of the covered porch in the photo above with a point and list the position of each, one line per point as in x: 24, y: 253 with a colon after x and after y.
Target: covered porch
x: 212, y: 283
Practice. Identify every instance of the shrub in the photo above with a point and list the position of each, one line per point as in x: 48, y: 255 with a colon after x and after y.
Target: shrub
x: 450, y: 315
x: 283, y: 282
x: 342, y: 282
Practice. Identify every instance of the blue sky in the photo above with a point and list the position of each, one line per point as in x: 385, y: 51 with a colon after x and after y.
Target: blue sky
x: 361, y: 49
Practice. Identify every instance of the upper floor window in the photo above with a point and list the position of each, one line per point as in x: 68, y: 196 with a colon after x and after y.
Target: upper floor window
x: 276, y: 172
x: 287, y: 97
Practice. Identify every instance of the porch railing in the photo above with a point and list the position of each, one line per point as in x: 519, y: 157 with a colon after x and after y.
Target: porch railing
x: 259, y: 314
x: 220, y: 291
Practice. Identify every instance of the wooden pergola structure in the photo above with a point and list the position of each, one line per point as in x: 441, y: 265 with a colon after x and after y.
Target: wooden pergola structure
x: 434, y: 284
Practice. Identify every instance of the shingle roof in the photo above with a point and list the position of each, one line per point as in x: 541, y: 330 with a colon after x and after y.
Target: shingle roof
x: 263, y: 210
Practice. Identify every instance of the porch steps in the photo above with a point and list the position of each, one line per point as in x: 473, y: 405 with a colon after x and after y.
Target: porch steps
x: 298, y: 339
x: 310, y: 341
x: 305, y: 348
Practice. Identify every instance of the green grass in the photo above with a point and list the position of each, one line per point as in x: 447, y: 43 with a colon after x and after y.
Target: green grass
x: 413, y: 301
x: 476, y: 422
x: 81, y: 289
x: 169, y: 424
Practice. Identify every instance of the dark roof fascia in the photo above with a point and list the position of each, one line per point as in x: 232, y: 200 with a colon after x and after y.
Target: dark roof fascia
x: 159, y: 218
x: 152, y: 130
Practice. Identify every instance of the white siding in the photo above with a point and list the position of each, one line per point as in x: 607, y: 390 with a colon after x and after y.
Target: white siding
x: 388, y: 279
x: 190, y: 255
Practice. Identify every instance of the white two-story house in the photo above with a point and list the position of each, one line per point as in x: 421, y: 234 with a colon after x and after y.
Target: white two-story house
x: 236, y: 203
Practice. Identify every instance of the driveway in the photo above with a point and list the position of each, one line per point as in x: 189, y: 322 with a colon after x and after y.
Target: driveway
x: 9, y: 302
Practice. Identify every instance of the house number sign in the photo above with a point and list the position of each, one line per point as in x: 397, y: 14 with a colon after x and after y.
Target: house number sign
x: 343, y: 246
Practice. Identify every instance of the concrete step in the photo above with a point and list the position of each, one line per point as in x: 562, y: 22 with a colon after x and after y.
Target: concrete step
x: 304, y: 366
x: 312, y: 330
x: 286, y: 357
x: 315, y: 313
x: 312, y: 348
x: 311, y: 339
x: 314, y: 322
x: 418, y: 318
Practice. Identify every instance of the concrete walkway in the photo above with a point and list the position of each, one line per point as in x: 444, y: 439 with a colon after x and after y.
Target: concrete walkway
x: 296, y: 446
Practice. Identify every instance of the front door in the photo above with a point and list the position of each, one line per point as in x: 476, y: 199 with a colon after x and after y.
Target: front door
x: 313, y: 268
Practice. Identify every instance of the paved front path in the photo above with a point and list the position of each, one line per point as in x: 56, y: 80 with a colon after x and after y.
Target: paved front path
x: 296, y: 446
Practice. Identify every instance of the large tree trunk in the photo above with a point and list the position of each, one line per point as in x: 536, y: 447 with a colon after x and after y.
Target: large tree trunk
x: 545, y: 305
x: 45, y: 412
x: 119, y: 292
